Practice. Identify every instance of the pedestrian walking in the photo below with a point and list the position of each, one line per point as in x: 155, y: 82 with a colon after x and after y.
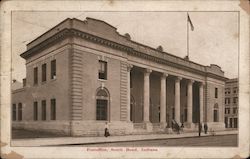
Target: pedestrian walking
x: 205, y: 128
x: 106, y: 130
x: 200, y: 128
x: 178, y: 128
x: 182, y: 126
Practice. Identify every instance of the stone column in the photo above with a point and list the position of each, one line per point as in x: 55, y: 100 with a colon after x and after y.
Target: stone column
x: 201, y: 102
x: 177, y: 99
x: 163, y: 99
x: 129, y: 67
x: 190, y: 102
x: 146, y: 95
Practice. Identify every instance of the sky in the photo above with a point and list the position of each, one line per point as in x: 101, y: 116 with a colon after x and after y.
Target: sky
x: 214, y: 39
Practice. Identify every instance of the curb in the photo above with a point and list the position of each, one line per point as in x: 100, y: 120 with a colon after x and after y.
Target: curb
x: 21, y: 142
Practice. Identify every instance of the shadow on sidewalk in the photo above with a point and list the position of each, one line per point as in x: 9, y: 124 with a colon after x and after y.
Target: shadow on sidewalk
x: 26, y: 134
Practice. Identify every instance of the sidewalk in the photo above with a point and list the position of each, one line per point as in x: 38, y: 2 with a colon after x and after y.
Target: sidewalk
x: 91, y: 140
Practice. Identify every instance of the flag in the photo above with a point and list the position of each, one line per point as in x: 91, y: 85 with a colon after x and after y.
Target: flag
x: 190, y: 22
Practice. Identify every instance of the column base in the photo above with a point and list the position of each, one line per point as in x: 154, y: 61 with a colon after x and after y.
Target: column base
x: 164, y: 125
x: 149, y: 126
x: 189, y: 125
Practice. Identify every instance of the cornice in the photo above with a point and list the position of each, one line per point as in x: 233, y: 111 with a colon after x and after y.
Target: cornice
x: 165, y: 62
x: 115, y: 45
x: 208, y: 74
x: 73, y: 32
x: 45, y: 44
x: 101, y: 41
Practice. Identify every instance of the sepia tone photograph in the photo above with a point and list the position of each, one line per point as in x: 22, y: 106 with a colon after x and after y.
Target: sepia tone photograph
x: 98, y: 77
x: 125, y: 81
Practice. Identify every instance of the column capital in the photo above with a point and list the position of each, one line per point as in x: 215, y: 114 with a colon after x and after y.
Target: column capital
x: 201, y: 83
x: 129, y: 67
x: 147, y: 71
x: 191, y: 81
x: 178, y: 79
x: 164, y: 75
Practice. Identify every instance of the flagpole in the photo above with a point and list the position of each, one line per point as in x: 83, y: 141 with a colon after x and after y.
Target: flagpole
x: 187, y: 37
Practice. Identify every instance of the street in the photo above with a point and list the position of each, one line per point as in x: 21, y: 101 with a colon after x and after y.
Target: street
x: 220, y: 140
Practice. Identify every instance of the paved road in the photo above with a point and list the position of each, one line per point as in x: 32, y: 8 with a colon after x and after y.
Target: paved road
x: 220, y: 140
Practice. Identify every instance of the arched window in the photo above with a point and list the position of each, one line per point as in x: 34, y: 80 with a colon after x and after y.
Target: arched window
x: 102, y: 102
x: 216, y: 112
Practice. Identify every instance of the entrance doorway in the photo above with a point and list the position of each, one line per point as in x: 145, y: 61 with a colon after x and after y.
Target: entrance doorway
x: 132, y: 109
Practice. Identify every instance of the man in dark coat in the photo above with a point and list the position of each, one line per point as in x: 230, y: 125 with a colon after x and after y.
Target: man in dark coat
x: 205, y: 128
x: 106, y: 130
x: 200, y: 128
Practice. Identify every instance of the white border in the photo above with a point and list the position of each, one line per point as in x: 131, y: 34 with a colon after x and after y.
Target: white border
x: 168, y: 152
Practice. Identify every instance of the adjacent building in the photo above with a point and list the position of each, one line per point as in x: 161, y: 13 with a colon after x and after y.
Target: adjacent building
x: 81, y: 75
x: 231, y: 103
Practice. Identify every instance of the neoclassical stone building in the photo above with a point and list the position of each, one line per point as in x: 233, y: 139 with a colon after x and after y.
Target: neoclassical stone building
x: 83, y: 74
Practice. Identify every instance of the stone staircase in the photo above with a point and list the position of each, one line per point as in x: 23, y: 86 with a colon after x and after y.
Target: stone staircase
x: 157, y: 127
x: 140, y: 128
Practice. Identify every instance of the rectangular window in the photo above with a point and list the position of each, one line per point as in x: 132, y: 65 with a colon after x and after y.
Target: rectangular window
x: 35, y: 75
x: 227, y: 101
x: 43, y: 109
x: 101, y: 109
x: 231, y: 122
x: 20, y: 112
x: 235, y: 122
x: 102, y: 70
x: 227, y: 91
x: 235, y: 110
x: 227, y: 110
x: 53, y: 109
x: 235, y: 100
x: 44, y: 72
x: 14, y: 112
x: 216, y: 93
x: 35, y: 111
x: 235, y: 90
x: 53, y: 69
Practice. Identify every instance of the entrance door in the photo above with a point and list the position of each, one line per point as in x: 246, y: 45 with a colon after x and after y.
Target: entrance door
x: 132, y: 109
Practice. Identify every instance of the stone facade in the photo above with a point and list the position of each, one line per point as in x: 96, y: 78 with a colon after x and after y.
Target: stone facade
x: 231, y: 103
x: 141, y: 90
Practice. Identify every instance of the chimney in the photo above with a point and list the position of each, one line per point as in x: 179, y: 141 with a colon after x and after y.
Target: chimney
x: 24, y: 82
